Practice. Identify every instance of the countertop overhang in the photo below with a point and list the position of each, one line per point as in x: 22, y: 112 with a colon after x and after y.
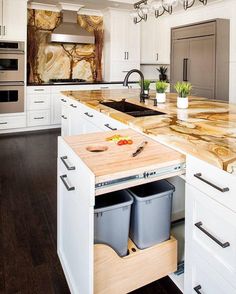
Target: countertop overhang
x: 206, y: 130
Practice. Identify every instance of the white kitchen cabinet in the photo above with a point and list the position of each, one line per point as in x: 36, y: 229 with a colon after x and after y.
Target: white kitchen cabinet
x: 155, y: 41
x: 78, y: 119
x: 38, y: 118
x: 121, y: 45
x: 210, y: 230
x: 13, y: 20
x: 12, y: 122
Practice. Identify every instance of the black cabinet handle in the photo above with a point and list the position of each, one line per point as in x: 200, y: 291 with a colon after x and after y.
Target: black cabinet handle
x: 185, y: 69
x: 63, y: 178
x: 157, y: 56
x: 72, y: 105
x: 197, y: 288
x: 63, y: 116
x: 41, y: 117
x: 38, y: 90
x: 89, y: 115
x: 39, y: 101
x: 199, y: 176
x: 63, y: 159
x: 63, y: 100
x: 3, y: 123
x: 222, y: 245
x: 127, y: 55
x: 109, y: 127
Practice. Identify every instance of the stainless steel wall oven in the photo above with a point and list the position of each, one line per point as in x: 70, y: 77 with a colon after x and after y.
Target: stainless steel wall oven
x: 12, y: 75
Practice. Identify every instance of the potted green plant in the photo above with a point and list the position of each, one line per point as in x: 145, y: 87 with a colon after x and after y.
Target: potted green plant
x: 162, y: 70
x: 161, y: 88
x: 146, y: 86
x: 183, y: 89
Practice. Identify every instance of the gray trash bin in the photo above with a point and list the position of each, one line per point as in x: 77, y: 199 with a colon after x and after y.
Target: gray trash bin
x: 151, y: 213
x: 112, y: 220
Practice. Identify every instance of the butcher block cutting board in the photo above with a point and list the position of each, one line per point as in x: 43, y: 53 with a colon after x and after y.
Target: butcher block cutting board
x: 117, y: 161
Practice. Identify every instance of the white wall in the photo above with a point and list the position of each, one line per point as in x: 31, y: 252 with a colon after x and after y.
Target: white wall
x: 217, y: 9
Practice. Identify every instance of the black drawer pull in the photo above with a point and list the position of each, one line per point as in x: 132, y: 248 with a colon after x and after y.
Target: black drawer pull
x: 104, y: 87
x: 197, y: 288
x: 63, y: 116
x: 109, y: 127
x: 222, y: 245
x: 63, y: 159
x: 3, y: 123
x: 39, y: 90
x: 63, y: 178
x: 199, y: 176
x: 74, y: 106
x: 38, y: 101
x: 63, y: 100
x: 89, y: 115
x: 41, y: 117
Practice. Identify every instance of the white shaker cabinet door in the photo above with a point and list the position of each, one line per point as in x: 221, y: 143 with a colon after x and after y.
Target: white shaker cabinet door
x: 75, y: 223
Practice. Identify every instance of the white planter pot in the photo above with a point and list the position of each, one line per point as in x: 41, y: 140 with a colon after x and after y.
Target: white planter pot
x: 182, y: 102
x: 146, y: 92
x: 161, y: 97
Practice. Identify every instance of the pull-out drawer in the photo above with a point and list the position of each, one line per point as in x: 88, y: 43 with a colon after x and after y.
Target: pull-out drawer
x: 204, y: 279
x: 212, y: 231
x: 38, y: 102
x: 38, y: 118
x: 39, y: 90
x: 120, y: 275
x: 213, y: 181
x: 12, y: 122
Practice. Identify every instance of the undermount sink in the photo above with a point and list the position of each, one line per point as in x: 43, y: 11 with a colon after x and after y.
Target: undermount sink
x: 131, y: 109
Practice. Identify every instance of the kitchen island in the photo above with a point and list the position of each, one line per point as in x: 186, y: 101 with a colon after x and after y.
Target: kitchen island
x: 207, y: 129
x: 205, y: 133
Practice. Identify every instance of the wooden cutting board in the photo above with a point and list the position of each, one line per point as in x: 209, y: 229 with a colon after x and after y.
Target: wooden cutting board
x: 117, y: 161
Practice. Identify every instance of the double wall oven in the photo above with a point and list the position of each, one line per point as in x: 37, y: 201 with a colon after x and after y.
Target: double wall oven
x: 12, y: 75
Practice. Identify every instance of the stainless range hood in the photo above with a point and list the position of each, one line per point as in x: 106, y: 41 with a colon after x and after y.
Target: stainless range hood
x: 69, y: 31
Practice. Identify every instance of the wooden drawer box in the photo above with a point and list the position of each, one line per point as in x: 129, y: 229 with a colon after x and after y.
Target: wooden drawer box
x: 38, y: 118
x: 113, y: 274
x: 216, y: 183
x: 212, y: 231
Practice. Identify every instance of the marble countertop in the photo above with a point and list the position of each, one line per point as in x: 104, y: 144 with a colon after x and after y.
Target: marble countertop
x: 207, y: 129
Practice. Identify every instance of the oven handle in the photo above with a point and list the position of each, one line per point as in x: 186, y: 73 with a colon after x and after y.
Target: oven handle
x: 12, y: 83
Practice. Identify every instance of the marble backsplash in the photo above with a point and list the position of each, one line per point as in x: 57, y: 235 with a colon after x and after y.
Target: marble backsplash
x: 56, y: 61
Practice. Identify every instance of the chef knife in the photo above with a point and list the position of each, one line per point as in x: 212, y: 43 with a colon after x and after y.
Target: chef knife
x: 140, y: 148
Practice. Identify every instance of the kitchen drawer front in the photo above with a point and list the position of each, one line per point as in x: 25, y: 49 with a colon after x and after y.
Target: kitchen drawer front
x: 12, y: 122
x: 39, y: 90
x: 38, y: 102
x: 212, y: 230
x: 110, y: 124
x: 201, y: 278
x: 38, y: 118
x: 198, y: 172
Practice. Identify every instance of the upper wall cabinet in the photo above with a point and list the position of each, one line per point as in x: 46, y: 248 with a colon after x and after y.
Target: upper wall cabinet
x: 155, y: 41
x: 121, y: 45
x: 13, y: 20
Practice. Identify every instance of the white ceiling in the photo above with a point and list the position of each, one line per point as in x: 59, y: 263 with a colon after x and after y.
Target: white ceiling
x: 92, y: 4
x: 101, y: 4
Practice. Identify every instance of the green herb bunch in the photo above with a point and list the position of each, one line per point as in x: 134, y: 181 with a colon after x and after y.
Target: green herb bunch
x: 161, y: 86
x: 146, y: 84
x: 183, y: 89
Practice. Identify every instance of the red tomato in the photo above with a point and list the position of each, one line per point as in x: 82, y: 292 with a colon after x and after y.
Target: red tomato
x: 125, y: 142
x: 120, y: 143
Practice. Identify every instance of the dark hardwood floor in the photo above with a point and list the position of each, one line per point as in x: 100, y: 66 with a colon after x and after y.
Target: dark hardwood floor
x: 28, y: 219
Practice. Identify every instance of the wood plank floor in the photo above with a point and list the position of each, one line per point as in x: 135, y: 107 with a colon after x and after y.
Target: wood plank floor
x: 28, y: 258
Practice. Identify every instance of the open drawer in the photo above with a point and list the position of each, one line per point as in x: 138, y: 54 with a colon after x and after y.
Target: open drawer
x: 114, y: 274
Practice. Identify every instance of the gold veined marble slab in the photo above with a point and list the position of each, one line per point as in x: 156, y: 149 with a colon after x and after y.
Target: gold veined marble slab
x: 207, y: 129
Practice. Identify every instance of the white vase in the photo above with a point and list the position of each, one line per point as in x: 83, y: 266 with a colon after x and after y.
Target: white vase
x: 182, y: 102
x: 161, y: 97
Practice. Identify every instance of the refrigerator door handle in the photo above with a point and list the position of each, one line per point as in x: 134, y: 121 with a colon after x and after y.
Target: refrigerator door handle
x: 185, y: 69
